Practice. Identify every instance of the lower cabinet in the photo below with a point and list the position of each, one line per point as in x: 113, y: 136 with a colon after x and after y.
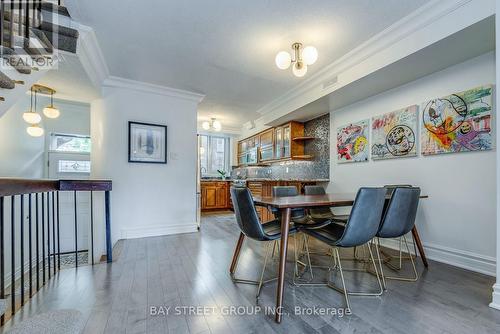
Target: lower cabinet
x: 215, y: 195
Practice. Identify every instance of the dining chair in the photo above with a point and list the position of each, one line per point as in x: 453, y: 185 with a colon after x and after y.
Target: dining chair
x: 300, y: 219
x: 361, y: 227
x: 249, y: 224
x: 399, y: 220
x: 324, y: 213
x: 390, y: 189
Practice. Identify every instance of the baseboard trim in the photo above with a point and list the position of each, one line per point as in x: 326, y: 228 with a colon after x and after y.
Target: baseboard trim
x: 157, y: 230
x: 495, y: 301
x: 455, y: 257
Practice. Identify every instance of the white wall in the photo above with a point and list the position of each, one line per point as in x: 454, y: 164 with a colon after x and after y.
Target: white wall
x: 21, y: 155
x: 147, y: 199
x: 495, y: 303
x: 457, y: 222
x: 25, y: 156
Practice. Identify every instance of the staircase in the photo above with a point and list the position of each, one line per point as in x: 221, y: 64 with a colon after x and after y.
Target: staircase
x: 32, y: 34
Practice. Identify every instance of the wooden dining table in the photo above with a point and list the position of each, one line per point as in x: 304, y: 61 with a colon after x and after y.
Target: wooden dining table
x: 285, y: 205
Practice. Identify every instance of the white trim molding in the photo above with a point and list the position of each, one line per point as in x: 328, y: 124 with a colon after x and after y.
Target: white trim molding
x: 90, y: 55
x: 141, y: 86
x: 455, y: 257
x: 157, y: 230
x: 495, y: 302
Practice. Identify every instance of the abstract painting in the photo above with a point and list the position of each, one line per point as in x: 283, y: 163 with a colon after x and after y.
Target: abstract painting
x: 352, y: 142
x: 147, y: 143
x: 458, y: 122
x: 394, y: 134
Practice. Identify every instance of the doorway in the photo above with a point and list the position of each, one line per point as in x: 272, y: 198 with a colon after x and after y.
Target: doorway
x: 69, y: 158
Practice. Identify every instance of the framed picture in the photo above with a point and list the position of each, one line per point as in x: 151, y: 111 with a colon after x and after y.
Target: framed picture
x: 352, y: 142
x: 147, y: 143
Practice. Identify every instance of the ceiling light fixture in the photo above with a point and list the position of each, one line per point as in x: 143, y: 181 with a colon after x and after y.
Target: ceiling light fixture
x: 213, y: 124
x: 301, y: 58
x: 31, y: 117
x: 51, y: 111
x: 35, y: 130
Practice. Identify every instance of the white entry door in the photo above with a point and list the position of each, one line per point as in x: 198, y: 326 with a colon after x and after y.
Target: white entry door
x: 75, y: 166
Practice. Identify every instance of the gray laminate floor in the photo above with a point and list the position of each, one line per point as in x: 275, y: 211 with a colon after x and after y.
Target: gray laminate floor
x: 192, y: 270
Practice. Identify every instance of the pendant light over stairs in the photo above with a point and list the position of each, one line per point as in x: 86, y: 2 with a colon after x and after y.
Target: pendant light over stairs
x: 32, y: 117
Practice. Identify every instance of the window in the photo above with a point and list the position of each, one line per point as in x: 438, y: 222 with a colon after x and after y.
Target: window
x: 70, y: 143
x: 73, y: 166
x: 214, y: 155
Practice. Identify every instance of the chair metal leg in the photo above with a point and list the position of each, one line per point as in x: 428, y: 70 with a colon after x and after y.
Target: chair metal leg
x: 415, y: 273
x: 377, y: 248
x: 336, y: 264
x: 344, y: 288
x: 307, y: 265
x: 400, y: 257
x: 261, y: 281
x: 361, y: 293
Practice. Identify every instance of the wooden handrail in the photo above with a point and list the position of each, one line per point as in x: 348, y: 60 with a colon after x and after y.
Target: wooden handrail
x: 34, y: 205
x: 11, y: 187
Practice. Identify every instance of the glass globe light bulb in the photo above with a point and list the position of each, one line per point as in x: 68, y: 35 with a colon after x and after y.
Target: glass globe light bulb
x: 51, y: 112
x: 309, y: 55
x: 283, y: 60
x: 205, y: 125
x: 299, y: 69
x: 217, y: 125
x: 32, y: 117
x: 35, y: 131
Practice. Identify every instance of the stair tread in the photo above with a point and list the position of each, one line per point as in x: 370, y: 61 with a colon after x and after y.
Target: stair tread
x: 23, y: 42
x: 6, y: 82
x: 62, y: 30
x: 51, y: 7
x: 15, y: 60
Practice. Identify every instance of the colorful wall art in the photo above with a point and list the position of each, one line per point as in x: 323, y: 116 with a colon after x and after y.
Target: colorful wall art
x: 394, y: 134
x: 352, y: 142
x: 458, y: 122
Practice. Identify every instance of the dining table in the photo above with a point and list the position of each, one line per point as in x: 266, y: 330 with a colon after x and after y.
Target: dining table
x: 285, y: 206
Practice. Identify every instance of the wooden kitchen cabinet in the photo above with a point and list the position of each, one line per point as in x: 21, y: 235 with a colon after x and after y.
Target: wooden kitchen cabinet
x: 215, y: 195
x: 262, y: 188
x: 285, y: 142
x: 266, y: 139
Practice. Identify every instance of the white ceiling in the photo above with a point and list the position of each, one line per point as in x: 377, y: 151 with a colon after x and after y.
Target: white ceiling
x: 225, y: 49
x: 70, y: 80
x: 468, y: 43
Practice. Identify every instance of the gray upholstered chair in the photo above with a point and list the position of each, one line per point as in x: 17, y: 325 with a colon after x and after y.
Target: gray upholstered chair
x: 361, y: 228
x: 298, y: 215
x: 249, y: 224
x: 399, y: 220
x: 320, y: 215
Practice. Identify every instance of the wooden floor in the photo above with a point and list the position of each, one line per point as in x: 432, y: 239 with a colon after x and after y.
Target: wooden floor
x: 192, y: 270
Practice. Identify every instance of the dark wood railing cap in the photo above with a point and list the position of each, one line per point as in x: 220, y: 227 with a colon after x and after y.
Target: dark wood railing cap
x: 10, y: 187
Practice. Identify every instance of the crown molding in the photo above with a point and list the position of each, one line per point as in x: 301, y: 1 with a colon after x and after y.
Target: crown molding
x: 90, y: 55
x: 319, y: 84
x: 141, y: 86
x: 93, y: 61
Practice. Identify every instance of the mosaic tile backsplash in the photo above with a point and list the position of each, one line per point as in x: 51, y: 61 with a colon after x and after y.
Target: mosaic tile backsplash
x: 318, y: 168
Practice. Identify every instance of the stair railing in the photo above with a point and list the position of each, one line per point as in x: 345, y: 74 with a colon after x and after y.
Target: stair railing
x: 34, y: 214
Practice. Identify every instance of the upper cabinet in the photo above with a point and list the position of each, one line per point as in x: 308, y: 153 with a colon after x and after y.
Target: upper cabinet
x: 266, y: 150
x: 285, y: 142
